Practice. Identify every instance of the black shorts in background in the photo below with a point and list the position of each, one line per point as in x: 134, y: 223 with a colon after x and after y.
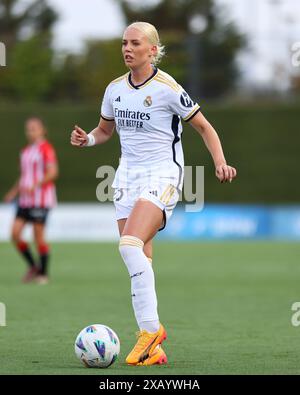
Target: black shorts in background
x: 34, y: 214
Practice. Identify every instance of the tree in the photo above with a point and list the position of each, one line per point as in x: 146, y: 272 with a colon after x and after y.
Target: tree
x: 31, y: 69
x: 168, y: 15
x: 29, y: 73
x: 207, y: 55
x: 37, y: 15
x: 85, y: 76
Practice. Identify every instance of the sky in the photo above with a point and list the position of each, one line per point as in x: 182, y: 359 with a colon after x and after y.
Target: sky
x: 84, y: 19
x: 271, y: 29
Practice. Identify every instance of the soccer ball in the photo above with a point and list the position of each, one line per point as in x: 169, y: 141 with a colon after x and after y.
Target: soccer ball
x: 97, y: 346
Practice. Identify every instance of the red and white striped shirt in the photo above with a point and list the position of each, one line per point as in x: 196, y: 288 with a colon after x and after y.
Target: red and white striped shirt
x: 35, y: 158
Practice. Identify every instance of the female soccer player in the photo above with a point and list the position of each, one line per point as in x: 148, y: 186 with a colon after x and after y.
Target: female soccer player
x: 37, y: 196
x: 146, y: 106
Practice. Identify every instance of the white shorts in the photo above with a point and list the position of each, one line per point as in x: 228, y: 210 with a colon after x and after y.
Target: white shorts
x: 164, y: 195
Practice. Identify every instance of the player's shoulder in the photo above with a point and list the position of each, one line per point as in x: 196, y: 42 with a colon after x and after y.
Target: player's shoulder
x: 24, y: 149
x: 116, y: 84
x: 46, y: 146
x: 118, y: 80
x: 168, y: 81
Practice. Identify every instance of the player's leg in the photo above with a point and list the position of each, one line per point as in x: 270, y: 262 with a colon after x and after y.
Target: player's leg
x: 23, y: 248
x: 148, y: 248
x: 141, y: 226
x: 158, y: 356
x: 43, y: 250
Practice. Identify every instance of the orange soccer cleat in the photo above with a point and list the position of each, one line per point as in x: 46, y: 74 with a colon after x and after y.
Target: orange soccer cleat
x: 145, y: 346
x: 158, y: 357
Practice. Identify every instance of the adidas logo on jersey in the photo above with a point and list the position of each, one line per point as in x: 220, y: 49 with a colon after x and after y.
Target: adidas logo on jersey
x: 153, y: 193
x: 118, y: 99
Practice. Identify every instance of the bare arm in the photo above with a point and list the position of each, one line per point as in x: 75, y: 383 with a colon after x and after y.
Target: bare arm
x: 51, y: 174
x: 102, y: 133
x: 12, y: 193
x: 211, y: 139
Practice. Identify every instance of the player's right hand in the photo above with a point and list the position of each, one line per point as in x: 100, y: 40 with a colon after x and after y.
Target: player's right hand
x: 79, y: 137
x: 9, y: 197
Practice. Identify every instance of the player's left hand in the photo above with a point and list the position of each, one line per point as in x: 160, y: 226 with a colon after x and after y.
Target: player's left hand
x: 32, y: 188
x: 29, y: 190
x: 9, y: 197
x: 225, y: 173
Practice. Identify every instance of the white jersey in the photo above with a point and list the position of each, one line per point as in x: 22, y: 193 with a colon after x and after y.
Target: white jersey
x: 148, y: 121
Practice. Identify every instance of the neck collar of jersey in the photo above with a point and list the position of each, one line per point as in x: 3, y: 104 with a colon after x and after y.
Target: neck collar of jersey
x: 143, y: 83
x: 38, y: 142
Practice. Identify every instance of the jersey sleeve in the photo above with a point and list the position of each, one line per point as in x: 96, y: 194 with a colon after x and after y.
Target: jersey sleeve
x: 49, y: 155
x: 107, y: 111
x: 181, y: 104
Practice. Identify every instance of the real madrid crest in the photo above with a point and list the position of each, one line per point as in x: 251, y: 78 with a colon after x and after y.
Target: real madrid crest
x: 148, y: 101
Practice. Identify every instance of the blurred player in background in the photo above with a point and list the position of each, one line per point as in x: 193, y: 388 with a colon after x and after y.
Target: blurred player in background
x: 36, y: 196
x: 146, y: 106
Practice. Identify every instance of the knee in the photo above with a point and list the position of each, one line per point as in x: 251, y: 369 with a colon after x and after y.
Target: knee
x: 148, y: 251
x: 39, y: 236
x: 43, y: 248
x: 15, y: 236
x: 129, y: 245
x: 40, y: 241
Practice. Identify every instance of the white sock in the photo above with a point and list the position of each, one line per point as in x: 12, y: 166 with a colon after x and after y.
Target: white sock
x: 149, y: 326
x: 143, y: 293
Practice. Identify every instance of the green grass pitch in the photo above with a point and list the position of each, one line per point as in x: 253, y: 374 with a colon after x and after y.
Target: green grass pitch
x: 226, y: 308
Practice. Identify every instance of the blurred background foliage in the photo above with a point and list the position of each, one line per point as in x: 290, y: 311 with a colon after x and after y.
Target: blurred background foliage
x: 36, y: 75
x: 260, y: 138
